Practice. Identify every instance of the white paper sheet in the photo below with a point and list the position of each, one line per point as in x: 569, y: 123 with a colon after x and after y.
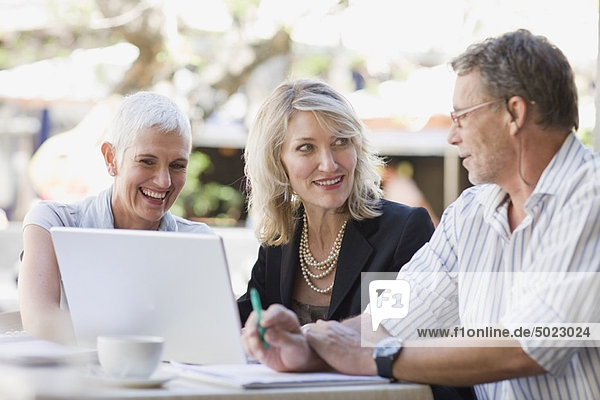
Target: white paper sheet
x: 260, y: 376
x: 20, y: 348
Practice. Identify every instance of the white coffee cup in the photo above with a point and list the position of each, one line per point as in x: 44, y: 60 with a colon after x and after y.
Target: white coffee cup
x: 129, y: 356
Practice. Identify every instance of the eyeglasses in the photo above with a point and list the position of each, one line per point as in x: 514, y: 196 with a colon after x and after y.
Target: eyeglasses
x: 457, y: 115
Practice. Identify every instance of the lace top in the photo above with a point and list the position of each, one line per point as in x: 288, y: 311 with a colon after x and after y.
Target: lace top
x: 308, y: 313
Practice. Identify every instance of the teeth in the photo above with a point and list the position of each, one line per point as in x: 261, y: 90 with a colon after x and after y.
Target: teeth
x: 154, y: 195
x: 329, y: 182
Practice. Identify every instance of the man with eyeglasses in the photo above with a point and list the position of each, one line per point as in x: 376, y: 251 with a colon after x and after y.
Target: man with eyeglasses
x: 515, y: 259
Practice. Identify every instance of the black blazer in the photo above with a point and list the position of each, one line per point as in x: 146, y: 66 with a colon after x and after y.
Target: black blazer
x: 382, y: 244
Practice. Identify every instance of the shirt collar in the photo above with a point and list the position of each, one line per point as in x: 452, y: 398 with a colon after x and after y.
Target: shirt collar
x: 564, y: 164
x: 98, y: 213
x: 168, y: 223
x: 491, y: 197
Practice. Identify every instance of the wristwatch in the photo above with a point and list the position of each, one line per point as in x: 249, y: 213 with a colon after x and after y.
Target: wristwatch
x: 385, y: 353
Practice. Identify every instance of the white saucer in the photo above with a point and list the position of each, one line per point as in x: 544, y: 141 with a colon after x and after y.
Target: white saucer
x: 155, y: 380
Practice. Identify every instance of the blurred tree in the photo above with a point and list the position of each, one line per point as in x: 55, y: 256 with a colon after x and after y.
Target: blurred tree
x: 153, y: 28
x: 166, y: 47
x: 145, y: 25
x: 141, y: 23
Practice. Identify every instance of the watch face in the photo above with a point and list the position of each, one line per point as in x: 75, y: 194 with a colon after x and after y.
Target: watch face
x: 387, y: 347
x: 385, y: 351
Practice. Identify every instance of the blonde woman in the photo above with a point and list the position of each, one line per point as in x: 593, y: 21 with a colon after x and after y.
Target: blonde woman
x: 316, y: 202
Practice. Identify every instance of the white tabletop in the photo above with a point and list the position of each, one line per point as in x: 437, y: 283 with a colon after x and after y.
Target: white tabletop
x: 70, y: 383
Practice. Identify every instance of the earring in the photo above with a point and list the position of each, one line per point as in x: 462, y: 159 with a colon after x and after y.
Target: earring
x: 293, y: 196
x: 288, y: 193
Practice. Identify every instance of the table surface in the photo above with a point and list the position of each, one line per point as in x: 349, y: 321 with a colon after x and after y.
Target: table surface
x: 69, y: 383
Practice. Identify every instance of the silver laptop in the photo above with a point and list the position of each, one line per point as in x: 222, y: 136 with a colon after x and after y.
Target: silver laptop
x: 169, y: 284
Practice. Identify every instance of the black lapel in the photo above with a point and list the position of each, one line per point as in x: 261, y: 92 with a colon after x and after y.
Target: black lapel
x: 289, y: 265
x: 354, y: 254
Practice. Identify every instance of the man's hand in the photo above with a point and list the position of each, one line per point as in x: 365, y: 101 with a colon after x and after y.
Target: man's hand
x: 288, y: 348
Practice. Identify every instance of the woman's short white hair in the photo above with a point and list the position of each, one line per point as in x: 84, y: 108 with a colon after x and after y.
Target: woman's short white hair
x: 144, y: 110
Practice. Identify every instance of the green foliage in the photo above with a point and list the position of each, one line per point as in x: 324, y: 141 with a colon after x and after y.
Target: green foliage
x: 312, y: 65
x: 239, y: 8
x: 4, y: 58
x: 586, y: 137
x: 213, y: 201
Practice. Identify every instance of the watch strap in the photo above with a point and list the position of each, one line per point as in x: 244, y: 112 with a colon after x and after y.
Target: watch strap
x: 385, y: 366
x: 385, y: 354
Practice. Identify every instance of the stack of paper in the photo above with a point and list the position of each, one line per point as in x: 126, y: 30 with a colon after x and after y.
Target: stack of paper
x: 252, y: 376
x: 23, y: 349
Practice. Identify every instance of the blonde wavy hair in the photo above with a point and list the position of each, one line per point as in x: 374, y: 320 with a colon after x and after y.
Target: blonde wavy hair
x: 273, y: 208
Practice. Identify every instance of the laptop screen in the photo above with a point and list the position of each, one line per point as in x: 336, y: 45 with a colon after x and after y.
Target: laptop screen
x: 169, y: 284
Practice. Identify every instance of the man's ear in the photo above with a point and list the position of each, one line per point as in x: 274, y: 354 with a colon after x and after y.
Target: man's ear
x: 517, y: 108
x: 108, y: 151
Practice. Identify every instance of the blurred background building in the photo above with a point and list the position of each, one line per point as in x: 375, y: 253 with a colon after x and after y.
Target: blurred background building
x: 65, y: 64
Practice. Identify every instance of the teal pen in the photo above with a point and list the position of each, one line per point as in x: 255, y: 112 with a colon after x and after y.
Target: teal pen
x: 257, y: 307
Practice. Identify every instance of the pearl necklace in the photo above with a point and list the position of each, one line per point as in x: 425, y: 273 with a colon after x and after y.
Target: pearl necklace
x: 325, y: 266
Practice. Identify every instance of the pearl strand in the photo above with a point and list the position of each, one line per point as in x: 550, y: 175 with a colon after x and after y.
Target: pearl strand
x: 335, y: 248
x: 326, y: 266
x: 313, y: 287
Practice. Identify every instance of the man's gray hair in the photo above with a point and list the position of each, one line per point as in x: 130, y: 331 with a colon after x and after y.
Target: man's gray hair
x: 522, y: 64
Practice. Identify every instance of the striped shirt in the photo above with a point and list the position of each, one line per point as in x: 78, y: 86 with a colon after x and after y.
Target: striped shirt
x: 468, y: 273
